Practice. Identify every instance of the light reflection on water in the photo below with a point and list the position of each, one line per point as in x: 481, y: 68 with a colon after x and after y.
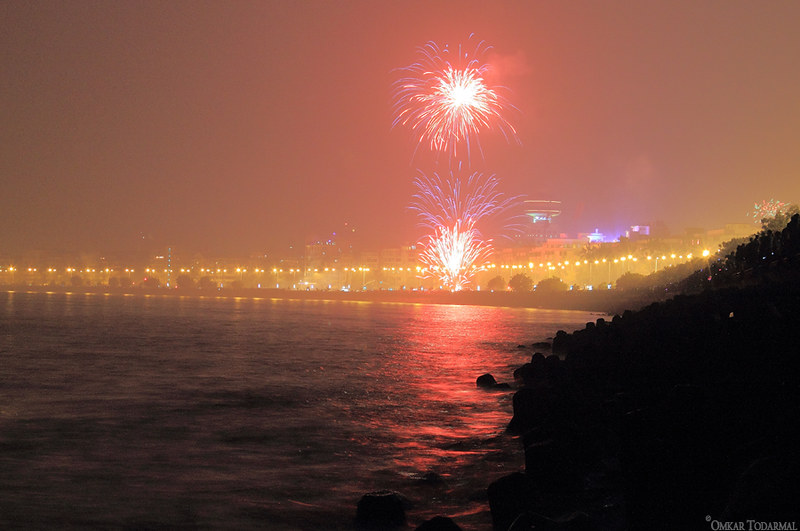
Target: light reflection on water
x: 234, y: 413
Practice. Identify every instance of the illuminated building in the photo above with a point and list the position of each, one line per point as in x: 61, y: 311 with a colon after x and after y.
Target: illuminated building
x: 541, y: 228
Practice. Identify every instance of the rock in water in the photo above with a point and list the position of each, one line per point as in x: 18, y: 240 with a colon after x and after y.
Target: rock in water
x: 486, y: 381
x: 438, y: 523
x: 380, y: 510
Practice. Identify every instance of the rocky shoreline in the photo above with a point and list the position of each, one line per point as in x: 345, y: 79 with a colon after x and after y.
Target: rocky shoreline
x: 682, y: 415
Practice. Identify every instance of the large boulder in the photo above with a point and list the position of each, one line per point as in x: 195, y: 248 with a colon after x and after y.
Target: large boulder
x: 380, y: 510
x: 552, y: 467
x: 767, y: 491
x: 531, y: 409
x: 486, y: 381
x: 438, y: 523
x: 509, y: 497
x: 577, y: 521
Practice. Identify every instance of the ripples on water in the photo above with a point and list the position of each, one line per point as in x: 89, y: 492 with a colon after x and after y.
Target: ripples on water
x: 153, y: 411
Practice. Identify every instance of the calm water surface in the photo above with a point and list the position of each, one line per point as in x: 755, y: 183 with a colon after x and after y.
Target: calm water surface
x: 153, y: 411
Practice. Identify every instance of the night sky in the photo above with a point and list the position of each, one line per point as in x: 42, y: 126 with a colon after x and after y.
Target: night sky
x: 244, y: 127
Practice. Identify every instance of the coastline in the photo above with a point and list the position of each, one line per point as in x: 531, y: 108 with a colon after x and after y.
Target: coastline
x: 603, y: 301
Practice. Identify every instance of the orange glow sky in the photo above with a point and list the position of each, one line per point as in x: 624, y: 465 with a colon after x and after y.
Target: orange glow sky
x: 240, y: 127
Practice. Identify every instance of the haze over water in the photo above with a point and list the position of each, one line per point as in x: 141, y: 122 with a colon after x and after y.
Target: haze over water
x: 235, y: 413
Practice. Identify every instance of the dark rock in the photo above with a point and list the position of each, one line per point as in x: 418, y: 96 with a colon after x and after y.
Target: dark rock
x: 767, y: 491
x: 551, y: 466
x: 502, y: 386
x: 519, y: 372
x: 380, y: 510
x: 561, y: 342
x: 577, y: 521
x: 530, y: 409
x: 486, y: 381
x: 521, y: 346
x: 438, y: 523
x: 551, y: 362
x: 509, y: 497
x: 541, y: 344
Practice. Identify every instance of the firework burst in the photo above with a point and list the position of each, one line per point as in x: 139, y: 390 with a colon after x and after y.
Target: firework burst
x: 445, y: 100
x: 453, y: 254
x: 455, y: 250
x: 441, y: 201
x: 767, y: 209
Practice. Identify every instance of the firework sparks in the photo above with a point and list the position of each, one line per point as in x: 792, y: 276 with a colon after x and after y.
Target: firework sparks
x: 441, y: 201
x: 454, y: 254
x: 767, y: 209
x: 452, y: 208
x: 445, y: 100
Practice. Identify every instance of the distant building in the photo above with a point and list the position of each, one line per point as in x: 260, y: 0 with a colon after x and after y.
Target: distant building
x: 596, y: 237
x: 541, y: 213
x: 638, y: 231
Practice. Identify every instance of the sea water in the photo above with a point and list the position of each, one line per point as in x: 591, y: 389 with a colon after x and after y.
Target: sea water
x: 184, y: 412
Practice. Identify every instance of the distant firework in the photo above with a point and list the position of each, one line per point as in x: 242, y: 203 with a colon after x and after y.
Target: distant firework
x: 455, y: 249
x: 445, y: 100
x: 767, y: 209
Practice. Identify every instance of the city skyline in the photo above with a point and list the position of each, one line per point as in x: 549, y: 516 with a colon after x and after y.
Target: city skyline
x: 234, y: 129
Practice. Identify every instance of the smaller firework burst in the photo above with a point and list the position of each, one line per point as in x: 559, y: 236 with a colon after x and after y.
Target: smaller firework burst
x: 767, y: 209
x: 454, y: 251
x: 441, y: 201
x: 455, y: 254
